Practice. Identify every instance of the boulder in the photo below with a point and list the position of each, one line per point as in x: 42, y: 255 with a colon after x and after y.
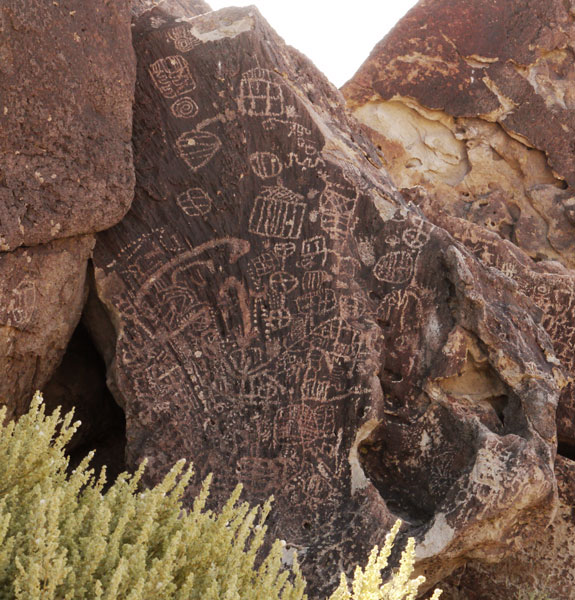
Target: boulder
x: 474, y: 101
x: 67, y: 77
x: 472, y: 104
x: 66, y: 87
x: 277, y: 313
x: 43, y: 290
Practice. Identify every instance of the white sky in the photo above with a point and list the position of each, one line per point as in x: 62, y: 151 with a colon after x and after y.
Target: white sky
x: 337, y: 35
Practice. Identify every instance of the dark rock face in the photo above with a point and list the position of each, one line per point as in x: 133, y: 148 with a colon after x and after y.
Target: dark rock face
x: 67, y: 84
x: 283, y: 318
x: 473, y: 103
x: 43, y: 291
x: 66, y: 81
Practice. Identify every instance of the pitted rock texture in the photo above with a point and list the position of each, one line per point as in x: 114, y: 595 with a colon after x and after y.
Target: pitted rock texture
x: 474, y: 101
x: 281, y: 317
x: 543, y: 559
x: 67, y: 73
x: 43, y: 290
x: 541, y: 565
x: 471, y: 102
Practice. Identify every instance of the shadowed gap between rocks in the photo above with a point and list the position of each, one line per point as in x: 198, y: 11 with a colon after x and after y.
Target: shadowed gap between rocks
x: 79, y: 383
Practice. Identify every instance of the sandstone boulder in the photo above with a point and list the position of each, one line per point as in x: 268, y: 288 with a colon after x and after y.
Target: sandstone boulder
x: 281, y: 316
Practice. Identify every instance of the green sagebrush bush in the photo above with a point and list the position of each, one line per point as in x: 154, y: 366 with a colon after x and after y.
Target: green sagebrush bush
x: 62, y: 537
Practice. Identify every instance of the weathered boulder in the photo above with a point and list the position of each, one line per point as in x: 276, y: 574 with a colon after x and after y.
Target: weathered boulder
x: 473, y: 102
x: 43, y: 291
x: 279, y: 315
x: 67, y: 77
x: 66, y: 89
x: 541, y: 566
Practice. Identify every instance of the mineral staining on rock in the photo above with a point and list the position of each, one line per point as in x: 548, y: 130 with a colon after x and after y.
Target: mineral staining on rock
x: 283, y: 318
x: 470, y: 101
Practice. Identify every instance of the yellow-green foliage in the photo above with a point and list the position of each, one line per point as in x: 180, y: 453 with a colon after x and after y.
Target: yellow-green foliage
x: 367, y: 584
x: 62, y: 537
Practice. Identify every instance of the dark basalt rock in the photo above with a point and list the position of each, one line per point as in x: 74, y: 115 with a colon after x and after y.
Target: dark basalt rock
x: 282, y: 317
x: 67, y: 74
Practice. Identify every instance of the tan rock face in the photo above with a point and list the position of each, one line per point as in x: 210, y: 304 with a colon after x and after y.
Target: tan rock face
x: 66, y: 89
x: 283, y: 318
x: 472, y: 103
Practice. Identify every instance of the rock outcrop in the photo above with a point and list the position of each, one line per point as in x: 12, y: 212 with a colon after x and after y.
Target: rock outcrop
x: 279, y: 314
x: 67, y: 77
x: 473, y: 103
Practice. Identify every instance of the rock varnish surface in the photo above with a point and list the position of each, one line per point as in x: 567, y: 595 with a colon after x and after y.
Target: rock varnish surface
x: 283, y: 317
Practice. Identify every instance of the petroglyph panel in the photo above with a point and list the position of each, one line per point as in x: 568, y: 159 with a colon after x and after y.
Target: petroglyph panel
x: 184, y: 108
x: 265, y: 164
x: 284, y: 317
x: 278, y: 213
x: 41, y: 298
x: 197, y: 148
x: 261, y: 94
x: 183, y: 38
x: 194, y: 202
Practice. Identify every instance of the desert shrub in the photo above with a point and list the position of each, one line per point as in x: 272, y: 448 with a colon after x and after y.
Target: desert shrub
x: 63, y: 537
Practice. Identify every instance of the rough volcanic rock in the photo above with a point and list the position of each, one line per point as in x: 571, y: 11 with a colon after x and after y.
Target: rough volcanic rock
x: 474, y: 101
x: 282, y: 318
x: 541, y: 566
x: 66, y: 79
x: 543, y: 558
x: 42, y: 290
x: 67, y: 73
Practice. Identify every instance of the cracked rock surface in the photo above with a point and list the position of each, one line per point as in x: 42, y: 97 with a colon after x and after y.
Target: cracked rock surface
x: 67, y: 72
